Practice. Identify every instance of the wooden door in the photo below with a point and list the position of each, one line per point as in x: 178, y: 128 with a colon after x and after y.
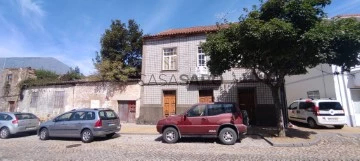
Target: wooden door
x: 247, y: 102
x: 132, y: 111
x: 169, y: 103
x: 123, y: 110
x: 206, y: 96
x: 12, y: 106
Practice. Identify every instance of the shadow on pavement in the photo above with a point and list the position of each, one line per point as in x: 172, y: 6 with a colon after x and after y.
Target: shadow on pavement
x: 78, y: 139
x: 254, y: 132
x: 198, y: 140
x: 20, y: 135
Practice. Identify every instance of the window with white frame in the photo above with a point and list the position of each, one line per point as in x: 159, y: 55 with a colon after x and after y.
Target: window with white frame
x: 313, y: 94
x: 201, y: 58
x: 169, y: 59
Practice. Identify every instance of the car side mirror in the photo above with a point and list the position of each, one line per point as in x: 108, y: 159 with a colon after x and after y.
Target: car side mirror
x: 185, y: 115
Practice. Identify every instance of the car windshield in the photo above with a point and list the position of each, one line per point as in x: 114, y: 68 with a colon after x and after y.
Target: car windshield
x: 330, y: 105
x: 24, y: 116
x: 108, y: 115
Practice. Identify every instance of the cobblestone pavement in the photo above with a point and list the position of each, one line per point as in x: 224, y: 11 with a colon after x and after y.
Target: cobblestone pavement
x: 149, y: 147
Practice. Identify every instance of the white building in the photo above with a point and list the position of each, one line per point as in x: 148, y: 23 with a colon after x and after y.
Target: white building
x: 325, y: 81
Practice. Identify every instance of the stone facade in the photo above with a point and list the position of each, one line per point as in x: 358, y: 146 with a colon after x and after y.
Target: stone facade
x: 155, y: 80
x: 9, y: 81
x: 51, y: 100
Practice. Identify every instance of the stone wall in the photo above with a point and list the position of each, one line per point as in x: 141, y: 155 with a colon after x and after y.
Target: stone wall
x: 52, y: 100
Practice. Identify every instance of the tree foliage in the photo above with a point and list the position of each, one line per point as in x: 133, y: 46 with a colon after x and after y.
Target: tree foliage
x: 72, y: 75
x: 283, y: 38
x: 121, y: 49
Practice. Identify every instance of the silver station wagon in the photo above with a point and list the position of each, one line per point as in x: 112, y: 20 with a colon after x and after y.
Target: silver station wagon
x: 16, y: 122
x: 82, y: 123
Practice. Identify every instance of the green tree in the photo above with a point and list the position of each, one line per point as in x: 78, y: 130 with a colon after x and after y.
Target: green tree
x: 283, y: 38
x: 72, y: 74
x: 120, y: 54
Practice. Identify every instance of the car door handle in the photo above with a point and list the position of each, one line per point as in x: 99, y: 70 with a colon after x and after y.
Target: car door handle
x: 203, y: 119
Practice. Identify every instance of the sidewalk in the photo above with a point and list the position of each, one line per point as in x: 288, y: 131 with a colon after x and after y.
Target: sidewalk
x: 132, y: 128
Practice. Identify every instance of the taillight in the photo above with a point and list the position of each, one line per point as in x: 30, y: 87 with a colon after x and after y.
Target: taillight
x: 315, y: 110
x: 98, y: 123
x: 15, y: 121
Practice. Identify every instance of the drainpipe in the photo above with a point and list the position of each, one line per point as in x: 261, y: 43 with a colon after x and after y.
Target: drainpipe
x: 323, y: 79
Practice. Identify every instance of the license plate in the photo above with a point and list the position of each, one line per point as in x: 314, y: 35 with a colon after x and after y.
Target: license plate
x: 335, y: 119
x: 111, y: 124
x: 30, y: 128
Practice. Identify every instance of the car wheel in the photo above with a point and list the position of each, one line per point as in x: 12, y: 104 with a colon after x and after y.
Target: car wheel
x: 228, y: 136
x: 339, y: 126
x: 44, y: 134
x: 109, y: 136
x: 312, y: 123
x: 170, y: 135
x: 4, y: 133
x: 87, y: 136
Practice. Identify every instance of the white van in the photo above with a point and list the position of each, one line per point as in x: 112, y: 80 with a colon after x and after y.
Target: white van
x: 317, y: 112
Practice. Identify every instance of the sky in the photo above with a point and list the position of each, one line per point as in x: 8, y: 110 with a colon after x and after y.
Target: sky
x: 70, y: 30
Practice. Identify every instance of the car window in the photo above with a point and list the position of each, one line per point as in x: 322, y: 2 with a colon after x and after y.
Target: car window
x: 4, y: 117
x: 25, y: 116
x: 198, y: 110
x: 64, y: 117
x: 89, y: 116
x: 306, y: 105
x: 77, y: 116
x: 108, y: 115
x: 216, y: 109
x: 293, y: 106
x: 330, y: 105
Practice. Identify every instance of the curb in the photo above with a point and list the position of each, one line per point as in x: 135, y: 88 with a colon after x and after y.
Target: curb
x: 306, y: 144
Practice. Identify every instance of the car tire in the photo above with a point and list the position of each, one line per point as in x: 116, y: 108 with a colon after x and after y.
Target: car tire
x: 87, y: 136
x: 312, y: 123
x: 44, y: 134
x: 170, y: 135
x: 228, y: 136
x: 339, y: 126
x: 109, y: 136
x: 4, y: 133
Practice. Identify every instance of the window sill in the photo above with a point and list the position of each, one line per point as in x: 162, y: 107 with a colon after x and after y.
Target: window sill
x: 168, y: 71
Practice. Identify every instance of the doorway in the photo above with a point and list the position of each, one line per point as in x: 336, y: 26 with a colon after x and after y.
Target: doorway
x: 169, y: 103
x: 127, y: 111
x: 206, y: 96
x: 12, y: 106
x: 247, y: 101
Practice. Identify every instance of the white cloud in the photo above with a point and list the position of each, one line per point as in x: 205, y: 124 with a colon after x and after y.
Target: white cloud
x: 32, y: 13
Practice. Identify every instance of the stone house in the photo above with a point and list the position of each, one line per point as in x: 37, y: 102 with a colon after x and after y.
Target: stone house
x: 10, y: 92
x: 53, y: 99
x: 175, y: 76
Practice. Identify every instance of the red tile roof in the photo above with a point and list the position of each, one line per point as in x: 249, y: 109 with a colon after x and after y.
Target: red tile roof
x: 187, y: 31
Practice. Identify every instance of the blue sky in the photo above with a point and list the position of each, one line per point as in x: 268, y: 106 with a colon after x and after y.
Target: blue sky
x: 70, y: 30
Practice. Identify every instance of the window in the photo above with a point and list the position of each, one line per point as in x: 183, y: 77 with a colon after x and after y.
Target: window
x: 217, y: 109
x: 107, y: 115
x: 313, y: 94
x: 306, y: 105
x: 9, y: 77
x: 34, y: 99
x: 198, y: 110
x: 169, y: 59
x: 4, y: 117
x: 201, y: 57
x: 293, y: 106
x: 25, y: 116
x: 330, y: 105
x: 59, y: 99
x: 81, y: 115
x: 64, y: 117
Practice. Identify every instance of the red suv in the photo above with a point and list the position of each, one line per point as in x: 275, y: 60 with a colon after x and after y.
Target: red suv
x: 220, y: 119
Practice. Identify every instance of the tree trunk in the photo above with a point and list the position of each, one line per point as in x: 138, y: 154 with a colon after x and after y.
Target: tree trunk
x: 278, y: 109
